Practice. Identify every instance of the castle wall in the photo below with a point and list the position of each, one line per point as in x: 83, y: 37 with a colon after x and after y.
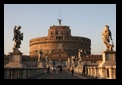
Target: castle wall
x: 59, y: 37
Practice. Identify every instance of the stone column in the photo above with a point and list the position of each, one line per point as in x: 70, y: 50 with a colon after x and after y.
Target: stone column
x: 88, y: 71
x: 91, y: 71
x: 97, y: 72
x: 94, y: 71
x: 24, y: 75
x: 15, y: 74
x: 110, y: 73
x: 100, y: 72
x: 114, y: 74
x: 105, y: 73
x: 7, y: 74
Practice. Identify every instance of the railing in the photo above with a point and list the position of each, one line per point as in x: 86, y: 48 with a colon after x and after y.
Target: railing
x: 22, y: 72
x: 108, y: 72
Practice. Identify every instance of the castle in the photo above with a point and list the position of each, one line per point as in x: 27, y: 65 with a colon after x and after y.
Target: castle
x: 59, y: 43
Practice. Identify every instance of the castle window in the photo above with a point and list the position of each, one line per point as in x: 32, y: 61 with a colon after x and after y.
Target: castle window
x: 62, y: 32
x: 51, y: 33
x: 59, y: 38
x: 67, y: 33
x: 62, y: 37
x: 83, y: 39
x: 51, y: 36
x: 67, y: 37
x: 56, y: 32
x: 87, y: 40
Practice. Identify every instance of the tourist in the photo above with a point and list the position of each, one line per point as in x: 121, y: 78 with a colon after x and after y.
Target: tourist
x: 72, y: 70
x: 45, y: 69
x: 48, y: 69
x: 61, y: 70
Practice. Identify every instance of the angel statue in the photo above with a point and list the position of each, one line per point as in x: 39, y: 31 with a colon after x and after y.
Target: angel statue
x: 106, y: 37
x: 39, y: 55
x: 18, y: 36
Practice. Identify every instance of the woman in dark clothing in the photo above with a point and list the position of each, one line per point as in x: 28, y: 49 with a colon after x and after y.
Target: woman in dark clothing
x: 72, y: 70
x: 60, y: 69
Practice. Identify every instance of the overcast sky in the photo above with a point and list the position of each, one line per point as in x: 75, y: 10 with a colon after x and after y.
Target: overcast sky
x: 85, y: 20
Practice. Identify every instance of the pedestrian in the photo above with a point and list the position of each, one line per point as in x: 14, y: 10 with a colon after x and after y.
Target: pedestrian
x: 72, y: 71
x: 45, y: 69
x: 48, y: 69
x: 61, y: 70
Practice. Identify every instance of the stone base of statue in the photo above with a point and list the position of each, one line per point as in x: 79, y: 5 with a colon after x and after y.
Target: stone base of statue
x: 79, y: 68
x: 15, y: 59
x: 40, y: 64
x: 108, y: 61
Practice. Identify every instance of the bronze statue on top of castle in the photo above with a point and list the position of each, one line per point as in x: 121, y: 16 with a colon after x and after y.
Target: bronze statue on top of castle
x: 18, y: 36
x: 106, y: 37
x: 59, y: 21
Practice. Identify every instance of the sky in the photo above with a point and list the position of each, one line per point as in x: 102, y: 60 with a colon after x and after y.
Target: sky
x: 85, y: 20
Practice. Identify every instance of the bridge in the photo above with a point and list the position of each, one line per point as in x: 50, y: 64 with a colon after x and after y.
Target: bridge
x: 38, y: 73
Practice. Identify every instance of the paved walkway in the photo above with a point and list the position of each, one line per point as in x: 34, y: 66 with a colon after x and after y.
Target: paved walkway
x: 82, y: 76
x: 64, y: 75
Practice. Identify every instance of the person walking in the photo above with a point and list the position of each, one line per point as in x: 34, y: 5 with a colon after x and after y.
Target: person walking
x: 45, y: 70
x: 72, y: 71
x: 61, y: 69
x: 48, y: 68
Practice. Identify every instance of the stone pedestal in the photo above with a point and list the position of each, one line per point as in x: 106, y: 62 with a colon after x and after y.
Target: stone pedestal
x: 15, y: 59
x: 108, y: 60
x: 79, y: 67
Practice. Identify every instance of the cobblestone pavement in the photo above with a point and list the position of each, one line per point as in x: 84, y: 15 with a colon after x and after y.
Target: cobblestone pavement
x: 63, y: 75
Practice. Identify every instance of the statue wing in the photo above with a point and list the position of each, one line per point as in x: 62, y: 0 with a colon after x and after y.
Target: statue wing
x: 110, y: 35
x: 15, y: 32
x: 15, y: 28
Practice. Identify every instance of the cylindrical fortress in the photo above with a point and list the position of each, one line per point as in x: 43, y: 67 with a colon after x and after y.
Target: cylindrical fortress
x: 59, y: 44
